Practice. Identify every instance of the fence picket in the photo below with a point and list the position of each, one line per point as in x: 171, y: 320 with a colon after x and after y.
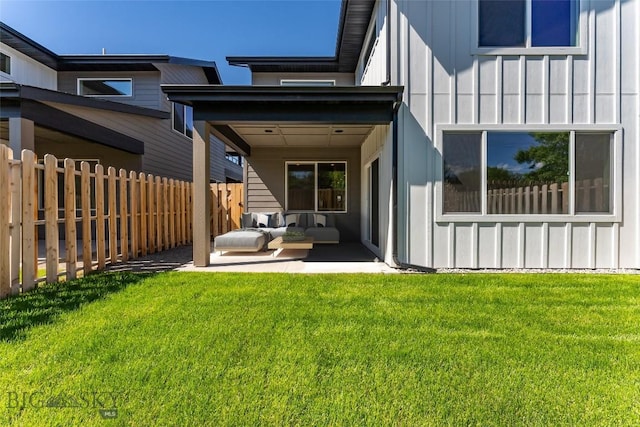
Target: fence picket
x: 165, y: 213
x: 151, y: 206
x: 14, y: 216
x: 101, y: 246
x: 5, y: 220
x: 136, y: 213
x: 124, y: 216
x: 70, y: 218
x: 29, y: 214
x: 51, y: 216
x: 158, y: 200
x: 113, y: 214
x: 144, y: 235
x: 172, y: 213
x: 85, y: 202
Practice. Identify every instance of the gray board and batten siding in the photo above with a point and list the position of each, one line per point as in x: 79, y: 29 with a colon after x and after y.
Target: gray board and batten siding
x: 450, y: 86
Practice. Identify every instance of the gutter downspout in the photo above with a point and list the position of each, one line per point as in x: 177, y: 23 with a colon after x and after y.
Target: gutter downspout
x: 394, y: 166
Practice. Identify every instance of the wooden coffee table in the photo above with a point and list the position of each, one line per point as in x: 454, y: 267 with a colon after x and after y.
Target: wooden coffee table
x: 279, y: 244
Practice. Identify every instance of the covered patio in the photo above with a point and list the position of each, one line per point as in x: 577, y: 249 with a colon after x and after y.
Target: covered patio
x: 273, y: 126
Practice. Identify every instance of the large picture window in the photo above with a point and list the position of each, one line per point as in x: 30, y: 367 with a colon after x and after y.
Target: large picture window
x: 528, y: 23
x: 316, y: 186
x: 523, y: 173
x: 105, y: 87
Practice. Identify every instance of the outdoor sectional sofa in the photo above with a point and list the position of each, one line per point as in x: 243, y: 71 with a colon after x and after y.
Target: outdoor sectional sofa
x: 259, y: 228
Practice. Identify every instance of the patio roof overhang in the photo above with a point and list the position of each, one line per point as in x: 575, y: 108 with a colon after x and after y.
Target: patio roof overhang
x: 223, y: 106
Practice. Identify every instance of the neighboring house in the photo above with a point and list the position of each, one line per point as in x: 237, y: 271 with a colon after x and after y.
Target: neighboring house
x: 470, y: 134
x: 103, y: 108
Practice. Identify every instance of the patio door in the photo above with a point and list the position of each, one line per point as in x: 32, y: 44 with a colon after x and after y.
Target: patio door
x: 374, y: 202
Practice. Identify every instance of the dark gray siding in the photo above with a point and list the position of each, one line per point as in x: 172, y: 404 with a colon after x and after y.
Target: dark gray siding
x: 179, y: 74
x: 266, y: 182
x: 146, y: 86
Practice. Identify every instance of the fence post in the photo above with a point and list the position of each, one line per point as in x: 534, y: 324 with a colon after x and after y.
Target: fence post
x: 124, y: 216
x: 85, y: 201
x: 16, y: 225
x: 565, y: 197
x: 29, y: 213
x: 70, y: 218
x: 101, y: 248
x: 135, y: 228
x: 143, y: 214
x: 113, y: 215
x: 5, y: 261
x: 51, y: 216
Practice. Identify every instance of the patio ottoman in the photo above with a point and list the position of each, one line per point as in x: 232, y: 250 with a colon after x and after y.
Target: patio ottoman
x: 241, y: 241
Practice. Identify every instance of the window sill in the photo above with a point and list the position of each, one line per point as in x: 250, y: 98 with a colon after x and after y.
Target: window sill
x: 578, y: 219
x: 531, y: 51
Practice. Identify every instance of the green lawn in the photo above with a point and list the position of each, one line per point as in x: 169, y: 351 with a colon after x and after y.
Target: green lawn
x: 180, y: 349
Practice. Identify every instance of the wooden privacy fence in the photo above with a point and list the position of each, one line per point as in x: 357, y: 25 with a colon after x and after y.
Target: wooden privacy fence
x: 101, y: 217
x: 592, y: 195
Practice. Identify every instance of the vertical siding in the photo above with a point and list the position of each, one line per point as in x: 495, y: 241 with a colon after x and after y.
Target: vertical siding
x: 372, y: 70
x: 27, y: 71
x: 377, y: 146
x: 447, y: 84
x: 146, y: 86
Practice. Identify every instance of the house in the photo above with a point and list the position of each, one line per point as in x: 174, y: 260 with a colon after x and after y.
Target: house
x: 106, y: 109
x: 469, y: 134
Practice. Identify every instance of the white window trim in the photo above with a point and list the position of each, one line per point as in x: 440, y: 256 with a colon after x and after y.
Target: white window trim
x: 283, y: 82
x: 581, y: 49
x: 123, y: 79
x: 184, y: 130
x: 315, y: 184
x: 616, y: 175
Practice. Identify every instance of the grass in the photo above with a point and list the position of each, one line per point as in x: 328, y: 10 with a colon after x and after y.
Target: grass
x: 267, y: 349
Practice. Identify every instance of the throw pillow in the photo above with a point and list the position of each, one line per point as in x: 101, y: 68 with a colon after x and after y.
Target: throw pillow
x: 291, y: 220
x: 319, y: 220
x: 248, y: 220
x: 263, y: 220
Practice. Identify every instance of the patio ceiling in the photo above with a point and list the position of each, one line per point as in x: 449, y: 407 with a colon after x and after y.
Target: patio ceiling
x: 309, y: 135
x: 277, y: 116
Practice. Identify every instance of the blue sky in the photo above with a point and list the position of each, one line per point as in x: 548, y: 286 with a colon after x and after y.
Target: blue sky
x: 208, y: 30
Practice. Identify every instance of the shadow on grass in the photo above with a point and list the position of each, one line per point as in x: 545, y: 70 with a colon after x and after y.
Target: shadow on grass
x: 43, y: 305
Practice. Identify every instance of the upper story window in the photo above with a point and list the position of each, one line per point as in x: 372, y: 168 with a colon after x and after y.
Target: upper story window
x: 528, y: 23
x: 182, y: 119
x: 234, y: 158
x: 307, y: 82
x: 5, y: 63
x: 105, y: 87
